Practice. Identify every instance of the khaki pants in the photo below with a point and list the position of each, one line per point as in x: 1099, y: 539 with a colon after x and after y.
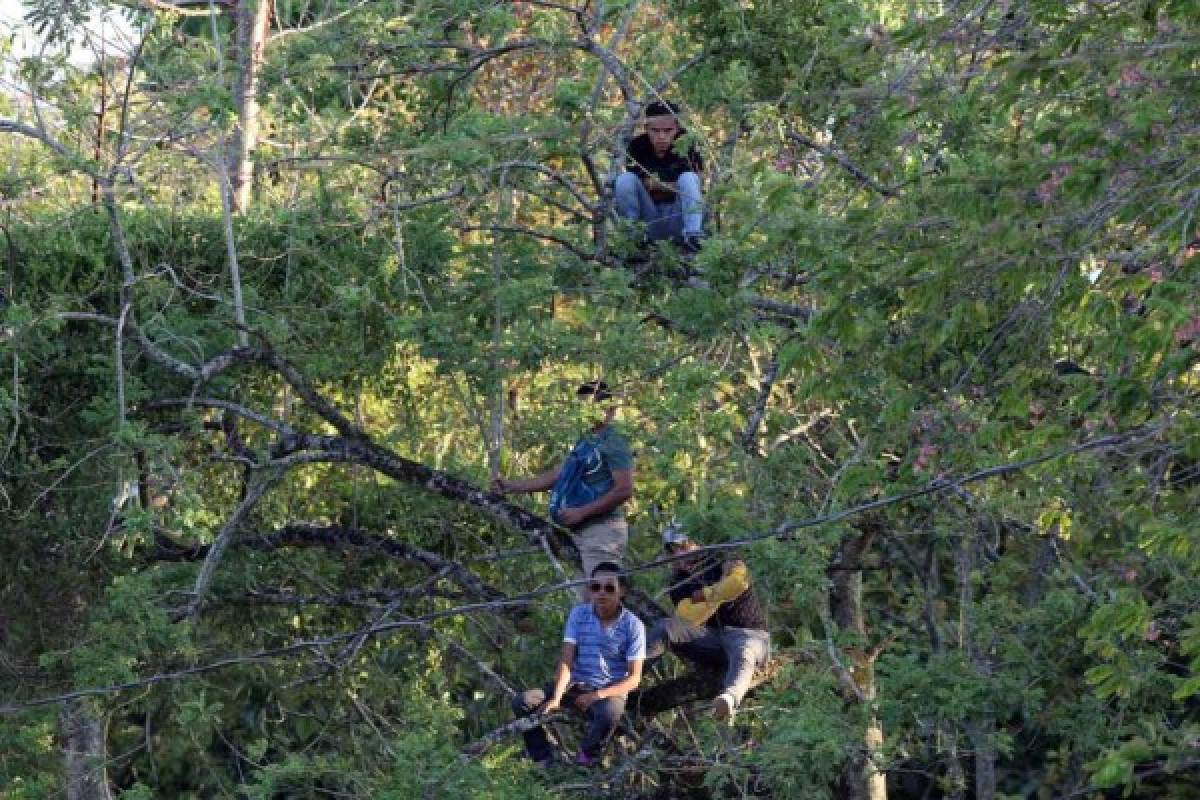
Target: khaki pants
x: 600, y: 541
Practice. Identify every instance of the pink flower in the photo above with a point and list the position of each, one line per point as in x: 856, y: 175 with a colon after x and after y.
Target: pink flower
x: 924, y: 456
x: 1049, y: 187
x: 1132, y: 75
x: 1046, y: 190
x: 1188, y: 332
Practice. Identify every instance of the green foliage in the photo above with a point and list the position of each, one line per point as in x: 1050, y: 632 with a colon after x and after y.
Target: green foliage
x: 26, y: 748
x: 986, y: 211
x: 806, y: 735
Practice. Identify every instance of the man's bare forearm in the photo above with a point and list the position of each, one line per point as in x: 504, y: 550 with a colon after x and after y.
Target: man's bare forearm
x: 538, y: 483
x: 562, y: 679
x: 623, y: 686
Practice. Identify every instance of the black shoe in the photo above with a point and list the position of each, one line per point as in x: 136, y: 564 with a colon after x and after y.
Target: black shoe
x: 691, y: 244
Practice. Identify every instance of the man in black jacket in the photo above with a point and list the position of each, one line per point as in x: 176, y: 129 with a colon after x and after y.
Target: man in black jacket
x: 661, y: 187
x: 718, y: 618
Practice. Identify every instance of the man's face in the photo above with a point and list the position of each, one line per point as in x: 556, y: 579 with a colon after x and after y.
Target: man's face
x: 591, y: 412
x: 605, y: 590
x: 662, y: 132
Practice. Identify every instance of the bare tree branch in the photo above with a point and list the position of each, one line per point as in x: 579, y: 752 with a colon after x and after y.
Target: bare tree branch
x: 859, y: 174
x: 257, y: 486
x: 224, y: 405
x: 77, y: 161
x: 750, y: 435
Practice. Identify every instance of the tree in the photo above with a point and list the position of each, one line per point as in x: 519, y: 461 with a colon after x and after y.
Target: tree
x: 934, y: 371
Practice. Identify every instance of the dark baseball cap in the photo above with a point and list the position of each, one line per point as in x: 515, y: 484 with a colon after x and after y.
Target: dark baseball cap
x: 597, y: 388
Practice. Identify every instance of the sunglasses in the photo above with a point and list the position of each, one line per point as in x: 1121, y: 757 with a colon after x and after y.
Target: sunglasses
x: 597, y: 587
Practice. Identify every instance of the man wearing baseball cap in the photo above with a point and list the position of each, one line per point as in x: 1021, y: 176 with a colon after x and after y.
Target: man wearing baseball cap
x: 718, y: 617
x: 591, y: 485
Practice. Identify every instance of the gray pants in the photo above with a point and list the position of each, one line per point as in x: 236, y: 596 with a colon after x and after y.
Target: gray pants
x: 740, y: 650
x: 600, y: 541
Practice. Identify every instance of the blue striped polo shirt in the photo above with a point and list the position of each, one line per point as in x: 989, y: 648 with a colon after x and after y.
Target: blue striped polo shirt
x: 602, y: 655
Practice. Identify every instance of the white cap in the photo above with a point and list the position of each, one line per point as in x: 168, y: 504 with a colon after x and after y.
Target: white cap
x: 674, y: 534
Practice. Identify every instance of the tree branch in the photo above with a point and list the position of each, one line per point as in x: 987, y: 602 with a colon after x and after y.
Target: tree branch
x: 12, y: 126
x: 845, y: 163
x: 257, y: 486
x: 760, y: 406
x: 225, y: 405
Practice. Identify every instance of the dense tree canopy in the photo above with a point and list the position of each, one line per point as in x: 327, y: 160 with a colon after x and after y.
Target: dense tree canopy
x: 285, y: 283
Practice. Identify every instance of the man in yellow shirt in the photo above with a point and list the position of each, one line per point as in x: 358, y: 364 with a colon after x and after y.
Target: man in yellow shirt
x: 718, y: 618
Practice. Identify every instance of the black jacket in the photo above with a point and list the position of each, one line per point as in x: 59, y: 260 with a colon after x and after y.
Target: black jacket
x: 642, y: 160
x: 745, y: 611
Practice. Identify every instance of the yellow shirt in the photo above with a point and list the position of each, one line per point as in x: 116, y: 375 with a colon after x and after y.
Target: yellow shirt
x: 736, y: 581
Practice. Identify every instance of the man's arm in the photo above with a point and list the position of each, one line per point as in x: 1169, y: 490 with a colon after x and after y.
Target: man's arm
x: 654, y: 184
x: 562, y: 678
x: 538, y: 483
x: 626, y: 684
x: 622, y: 490
x: 730, y: 587
x: 621, y: 687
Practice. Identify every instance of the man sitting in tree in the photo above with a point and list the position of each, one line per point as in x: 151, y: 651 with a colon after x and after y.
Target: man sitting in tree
x: 718, y: 619
x: 661, y: 187
x: 604, y: 645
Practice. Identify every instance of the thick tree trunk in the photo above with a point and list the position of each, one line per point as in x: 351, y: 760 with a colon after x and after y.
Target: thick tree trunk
x: 981, y: 734
x: 83, y: 752
x: 863, y: 778
x: 979, y: 729
x: 253, y: 19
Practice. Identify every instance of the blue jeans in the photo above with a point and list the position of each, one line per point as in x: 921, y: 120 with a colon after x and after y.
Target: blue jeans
x: 602, y: 718
x: 674, y: 219
x: 740, y: 650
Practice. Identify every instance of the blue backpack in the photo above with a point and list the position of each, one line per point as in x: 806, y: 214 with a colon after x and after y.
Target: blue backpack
x: 571, y: 489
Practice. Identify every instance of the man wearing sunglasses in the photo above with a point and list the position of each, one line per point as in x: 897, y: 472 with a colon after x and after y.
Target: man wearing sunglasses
x: 718, y: 620
x: 604, y: 645
x: 603, y: 461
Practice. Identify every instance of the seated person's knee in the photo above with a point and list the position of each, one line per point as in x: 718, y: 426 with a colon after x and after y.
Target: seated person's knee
x: 520, y: 704
x: 627, y: 181
x: 606, y: 712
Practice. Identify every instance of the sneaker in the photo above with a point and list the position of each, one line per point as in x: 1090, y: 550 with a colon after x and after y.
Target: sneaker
x: 584, y: 760
x: 638, y: 258
x: 691, y: 244
x: 724, y: 707
x: 544, y: 764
